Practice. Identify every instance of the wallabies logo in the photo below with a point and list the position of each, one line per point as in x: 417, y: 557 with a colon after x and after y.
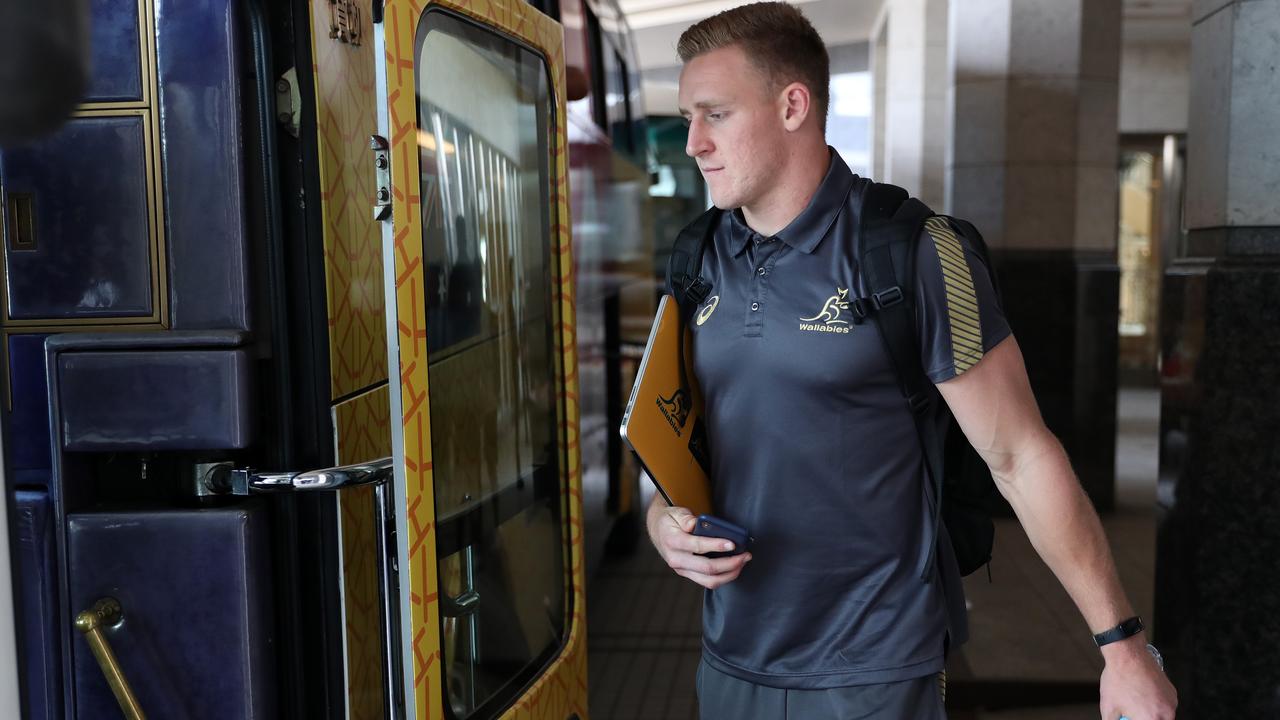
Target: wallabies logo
x: 675, y: 410
x: 829, y: 316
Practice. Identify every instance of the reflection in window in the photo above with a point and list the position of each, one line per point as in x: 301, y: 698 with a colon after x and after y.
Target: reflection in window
x: 484, y: 132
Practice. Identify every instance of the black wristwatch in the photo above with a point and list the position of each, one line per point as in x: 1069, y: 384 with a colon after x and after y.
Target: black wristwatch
x: 1126, y: 629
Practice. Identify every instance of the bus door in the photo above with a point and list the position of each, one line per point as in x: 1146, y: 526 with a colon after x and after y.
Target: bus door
x: 484, y: 393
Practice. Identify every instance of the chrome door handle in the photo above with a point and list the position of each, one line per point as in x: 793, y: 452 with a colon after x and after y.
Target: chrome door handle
x: 222, y: 479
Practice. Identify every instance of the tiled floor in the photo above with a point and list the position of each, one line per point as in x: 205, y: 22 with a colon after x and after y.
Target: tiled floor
x: 644, y: 624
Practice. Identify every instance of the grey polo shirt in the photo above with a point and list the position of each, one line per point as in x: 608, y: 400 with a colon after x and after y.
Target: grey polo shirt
x: 815, y: 452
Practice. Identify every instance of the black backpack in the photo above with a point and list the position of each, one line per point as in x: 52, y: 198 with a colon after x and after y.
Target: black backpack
x: 889, y: 227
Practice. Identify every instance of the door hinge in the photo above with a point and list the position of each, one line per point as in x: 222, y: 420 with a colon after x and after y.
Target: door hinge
x: 289, y: 102
x: 382, y: 173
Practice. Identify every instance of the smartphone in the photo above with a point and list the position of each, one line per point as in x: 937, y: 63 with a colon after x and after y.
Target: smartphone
x: 711, y: 526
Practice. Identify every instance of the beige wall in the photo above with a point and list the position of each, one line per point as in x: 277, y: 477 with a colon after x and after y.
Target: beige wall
x: 911, y: 134
x: 1155, y: 86
x: 879, y: 75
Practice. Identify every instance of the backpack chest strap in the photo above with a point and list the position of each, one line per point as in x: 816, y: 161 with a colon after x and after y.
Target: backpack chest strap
x: 895, y: 311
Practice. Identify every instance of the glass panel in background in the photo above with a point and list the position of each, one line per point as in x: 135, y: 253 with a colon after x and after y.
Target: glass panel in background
x: 484, y: 135
x: 1140, y: 266
x: 680, y: 194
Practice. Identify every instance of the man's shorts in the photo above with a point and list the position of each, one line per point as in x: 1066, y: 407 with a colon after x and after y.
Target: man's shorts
x: 724, y: 697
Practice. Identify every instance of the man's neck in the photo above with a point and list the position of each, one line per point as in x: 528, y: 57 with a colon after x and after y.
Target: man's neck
x: 791, y: 192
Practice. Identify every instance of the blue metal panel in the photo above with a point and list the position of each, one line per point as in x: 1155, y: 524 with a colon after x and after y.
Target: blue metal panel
x: 70, y: 483
x: 199, y: 71
x: 28, y: 440
x: 35, y: 584
x: 197, y: 633
x: 115, y: 69
x: 92, y: 257
x: 175, y: 400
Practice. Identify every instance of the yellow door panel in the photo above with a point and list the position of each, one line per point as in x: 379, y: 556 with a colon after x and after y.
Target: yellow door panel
x: 363, y: 427
x: 487, y: 395
x: 346, y: 115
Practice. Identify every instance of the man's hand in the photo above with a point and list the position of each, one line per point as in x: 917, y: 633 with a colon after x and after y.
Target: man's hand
x: 1133, y: 685
x: 671, y: 530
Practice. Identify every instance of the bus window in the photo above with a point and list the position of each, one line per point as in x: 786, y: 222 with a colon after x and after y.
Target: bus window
x: 620, y: 104
x: 596, y: 51
x: 484, y: 135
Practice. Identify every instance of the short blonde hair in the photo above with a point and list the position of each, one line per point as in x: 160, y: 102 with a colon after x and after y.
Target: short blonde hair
x: 777, y: 38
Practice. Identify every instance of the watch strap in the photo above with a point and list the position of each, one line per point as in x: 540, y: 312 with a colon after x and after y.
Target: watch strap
x: 1125, y: 629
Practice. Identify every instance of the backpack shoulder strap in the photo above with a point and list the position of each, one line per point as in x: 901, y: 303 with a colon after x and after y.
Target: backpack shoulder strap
x: 890, y: 227
x: 888, y: 251
x: 684, y: 275
x: 684, y: 267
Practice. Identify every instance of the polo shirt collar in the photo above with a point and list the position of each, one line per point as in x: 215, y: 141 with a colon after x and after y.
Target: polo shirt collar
x: 808, y: 229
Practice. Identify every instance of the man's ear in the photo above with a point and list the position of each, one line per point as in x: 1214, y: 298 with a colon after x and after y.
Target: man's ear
x: 796, y: 106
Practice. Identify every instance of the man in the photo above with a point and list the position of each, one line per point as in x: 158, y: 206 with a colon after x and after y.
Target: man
x: 813, y: 448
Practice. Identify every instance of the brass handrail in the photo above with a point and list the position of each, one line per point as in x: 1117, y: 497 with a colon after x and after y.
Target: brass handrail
x: 108, y: 613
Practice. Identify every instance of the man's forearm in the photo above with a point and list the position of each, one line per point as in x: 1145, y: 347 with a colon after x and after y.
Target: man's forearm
x: 995, y: 407
x: 1065, y: 530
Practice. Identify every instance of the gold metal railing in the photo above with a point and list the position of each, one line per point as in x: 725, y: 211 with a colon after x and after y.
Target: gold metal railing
x: 104, y: 614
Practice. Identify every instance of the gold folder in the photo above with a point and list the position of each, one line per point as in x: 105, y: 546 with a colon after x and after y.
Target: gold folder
x: 663, y: 423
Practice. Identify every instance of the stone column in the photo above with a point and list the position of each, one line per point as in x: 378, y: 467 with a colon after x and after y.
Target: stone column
x: 1034, y: 94
x: 1217, y: 612
x: 879, y: 77
x: 910, y: 60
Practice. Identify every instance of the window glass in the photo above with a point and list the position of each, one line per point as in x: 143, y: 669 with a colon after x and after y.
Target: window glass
x: 484, y: 142
x: 1141, y: 268
x: 596, y: 52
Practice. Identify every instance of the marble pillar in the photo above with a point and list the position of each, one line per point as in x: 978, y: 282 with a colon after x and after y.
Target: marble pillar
x: 1032, y: 163
x: 912, y: 130
x: 879, y: 78
x: 1217, y: 614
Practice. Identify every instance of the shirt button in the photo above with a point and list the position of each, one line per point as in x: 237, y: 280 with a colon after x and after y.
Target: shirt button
x: 755, y: 307
x: 760, y: 270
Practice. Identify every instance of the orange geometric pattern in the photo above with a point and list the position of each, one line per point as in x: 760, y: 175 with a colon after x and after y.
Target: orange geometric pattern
x: 562, y: 689
x: 363, y: 424
x: 346, y: 115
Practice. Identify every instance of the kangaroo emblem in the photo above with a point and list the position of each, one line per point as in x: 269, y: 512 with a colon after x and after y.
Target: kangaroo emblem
x: 830, y: 313
x: 676, y: 409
